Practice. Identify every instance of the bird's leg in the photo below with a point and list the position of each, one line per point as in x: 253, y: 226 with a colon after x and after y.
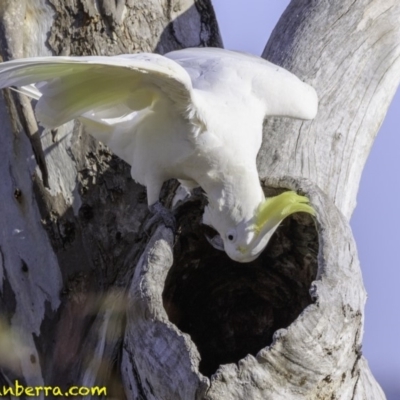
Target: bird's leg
x: 184, y: 191
x: 162, y: 213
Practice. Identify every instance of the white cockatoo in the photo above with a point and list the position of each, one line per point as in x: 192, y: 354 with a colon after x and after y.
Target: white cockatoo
x: 195, y: 115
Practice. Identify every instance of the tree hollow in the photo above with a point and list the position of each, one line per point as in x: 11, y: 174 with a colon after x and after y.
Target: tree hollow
x: 232, y: 309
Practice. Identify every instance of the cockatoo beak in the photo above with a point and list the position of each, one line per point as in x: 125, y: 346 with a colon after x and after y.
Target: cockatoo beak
x: 260, y: 229
x: 216, y: 242
x: 267, y: 218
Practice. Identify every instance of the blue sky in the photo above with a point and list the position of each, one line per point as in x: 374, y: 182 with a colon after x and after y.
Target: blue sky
x: 246, y: 26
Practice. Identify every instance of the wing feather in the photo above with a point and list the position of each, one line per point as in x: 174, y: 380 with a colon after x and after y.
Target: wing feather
x: 280, y: 92
x: 70, y: 87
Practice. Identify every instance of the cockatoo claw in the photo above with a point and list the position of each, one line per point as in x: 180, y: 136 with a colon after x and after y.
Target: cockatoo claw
x: 161, y: 214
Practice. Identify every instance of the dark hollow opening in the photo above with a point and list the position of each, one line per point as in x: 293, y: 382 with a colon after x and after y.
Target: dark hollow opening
x: 231, y: 309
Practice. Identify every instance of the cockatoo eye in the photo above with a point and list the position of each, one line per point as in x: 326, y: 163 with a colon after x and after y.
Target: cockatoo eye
x: 231, y: 236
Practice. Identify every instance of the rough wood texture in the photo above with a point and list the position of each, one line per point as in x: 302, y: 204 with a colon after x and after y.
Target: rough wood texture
x: 317, y: 355
x: 91, y: 293
x: 245, y: 303
x: 71, y: 228
x: 128, y: 26
x: 350, y: 52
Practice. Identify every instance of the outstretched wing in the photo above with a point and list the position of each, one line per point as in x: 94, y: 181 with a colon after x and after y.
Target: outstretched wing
x: 97, y: 87
x: 242, y: 76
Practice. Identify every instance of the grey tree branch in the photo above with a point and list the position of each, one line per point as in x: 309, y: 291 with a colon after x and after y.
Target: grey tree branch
x: 92, y: 298
x: 350, y: 52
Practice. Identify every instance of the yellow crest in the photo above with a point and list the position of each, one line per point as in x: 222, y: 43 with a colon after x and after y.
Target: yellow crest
x: 274, y: 209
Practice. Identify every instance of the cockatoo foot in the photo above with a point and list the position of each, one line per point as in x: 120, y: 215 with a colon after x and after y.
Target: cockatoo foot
x: 161, y: 214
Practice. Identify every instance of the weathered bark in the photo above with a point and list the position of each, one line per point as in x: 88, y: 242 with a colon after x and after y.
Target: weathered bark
x: 92, y: 294
x: 71, y: 227
x: 350, y: 52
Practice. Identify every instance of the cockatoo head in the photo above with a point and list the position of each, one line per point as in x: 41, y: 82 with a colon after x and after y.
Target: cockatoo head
x: 245, y: 240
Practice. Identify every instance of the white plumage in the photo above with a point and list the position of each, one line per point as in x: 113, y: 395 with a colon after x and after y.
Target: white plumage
x: 195, y: 115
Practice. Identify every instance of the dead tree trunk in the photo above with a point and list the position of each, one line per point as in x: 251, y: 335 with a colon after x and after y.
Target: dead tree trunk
x: 90, y: 295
